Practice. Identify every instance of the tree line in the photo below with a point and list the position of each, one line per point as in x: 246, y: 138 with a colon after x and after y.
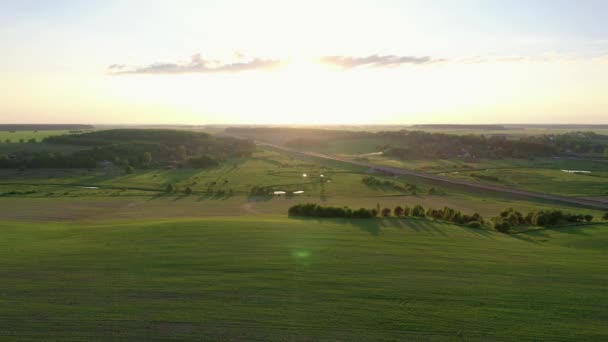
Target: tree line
x: 375, y: 182
x: 133, y: 148
x: 509, y: 218
x: 505, y: 220
x: 417, y: 144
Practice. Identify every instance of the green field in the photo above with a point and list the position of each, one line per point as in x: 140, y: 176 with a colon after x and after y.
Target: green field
x: 544, y: 180
x: 226, y: 189
x: 14, y: 137
x: 104, y: 254
x: 272, y: 278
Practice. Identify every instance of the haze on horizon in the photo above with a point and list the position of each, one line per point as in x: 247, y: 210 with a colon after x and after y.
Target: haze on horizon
x: 304, y: 62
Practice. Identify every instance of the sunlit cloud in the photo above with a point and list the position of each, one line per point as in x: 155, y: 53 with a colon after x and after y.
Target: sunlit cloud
x: 377, y: 61
x: 197, y: 64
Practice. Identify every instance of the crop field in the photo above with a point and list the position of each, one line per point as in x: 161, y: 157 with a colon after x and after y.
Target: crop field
x: 543, y: 180
x: 515, y: 132
x: 273, y: 278
x: 265, y: 168
x: 542, y: 175
x: 16, y: 136
x: 225, y: 190
x: 110, y: 254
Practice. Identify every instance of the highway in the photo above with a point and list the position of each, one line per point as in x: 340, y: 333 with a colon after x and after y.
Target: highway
x: 496, y: 188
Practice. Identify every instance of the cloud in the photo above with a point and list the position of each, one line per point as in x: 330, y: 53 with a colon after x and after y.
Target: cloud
x: 377, y: 61
x: 197, y: 64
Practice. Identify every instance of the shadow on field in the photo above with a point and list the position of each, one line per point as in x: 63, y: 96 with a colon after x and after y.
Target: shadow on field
x: 377, y: 226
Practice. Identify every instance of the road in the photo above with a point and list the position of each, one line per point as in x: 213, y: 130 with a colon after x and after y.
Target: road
x: 402, y: 171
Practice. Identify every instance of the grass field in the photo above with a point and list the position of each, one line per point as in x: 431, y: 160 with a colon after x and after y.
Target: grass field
x: 542, y: 175
x: 102, y: 254
x: 265, y: 168
x: 14, y: 137
x: 544, y: 180
x: 273, y: 278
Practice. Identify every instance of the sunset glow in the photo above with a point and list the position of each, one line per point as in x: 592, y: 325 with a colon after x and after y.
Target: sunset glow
x: 201, y: 62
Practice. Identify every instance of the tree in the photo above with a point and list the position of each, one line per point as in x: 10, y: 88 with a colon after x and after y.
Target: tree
x: 147, y: 158
x: 605, y: 217
x: 501, y: 225
x: 418, y: 210
x: 386, y: 212
x: 398, y: 211
x: 129, y: 169
x: 169, y: 188
x: 8, y: 141
x: 588, y: 218
x: 181, y: 152
x: 188, y: 191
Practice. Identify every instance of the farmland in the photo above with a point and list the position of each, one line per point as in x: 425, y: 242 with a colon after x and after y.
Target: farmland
x: 272, y: 278
x: 17, y: 136
x: 108, y: 253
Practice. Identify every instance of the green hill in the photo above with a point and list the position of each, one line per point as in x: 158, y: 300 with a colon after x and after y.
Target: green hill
x: 273, y: 278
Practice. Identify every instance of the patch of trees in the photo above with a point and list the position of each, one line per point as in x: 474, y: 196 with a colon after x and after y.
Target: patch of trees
x: 416, y: 144
x: 573, y: 142
x: 286, y: 134
x: 136, y: 148
x: 375, y: 182
x: 443, y: 214
x: 466, y: 127
x: 43, y: 127
x: 509, y: 218
x: 14, y: 192
x: 315, y: 210
x: 425, y: 145
x: 261, y: 191
x: 203, y: 161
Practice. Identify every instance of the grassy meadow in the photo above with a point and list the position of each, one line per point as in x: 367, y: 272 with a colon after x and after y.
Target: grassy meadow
x: 16, y: 136
x: 272, y: 278
x: 106, y: 254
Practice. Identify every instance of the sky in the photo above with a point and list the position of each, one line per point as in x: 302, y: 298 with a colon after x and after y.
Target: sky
x: 303, y: 62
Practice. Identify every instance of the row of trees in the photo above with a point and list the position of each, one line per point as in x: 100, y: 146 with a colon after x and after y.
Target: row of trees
x: 315, y: 210
x: 443, y: 214
x: 170, y: 188
x: 22, y: 141
x: 502, y: 223
x: 509, y: 218
x: 375, y: 182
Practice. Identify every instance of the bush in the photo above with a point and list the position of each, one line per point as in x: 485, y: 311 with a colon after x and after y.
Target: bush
x: 398, y: 211
x: 501, y: 225
x: 605, y: 216
x: 588, y: 218
x: 386, y: 212
x: 418, y: 210
x: 474, y: 224
x: 188, y: 191
x: 169, y: 188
